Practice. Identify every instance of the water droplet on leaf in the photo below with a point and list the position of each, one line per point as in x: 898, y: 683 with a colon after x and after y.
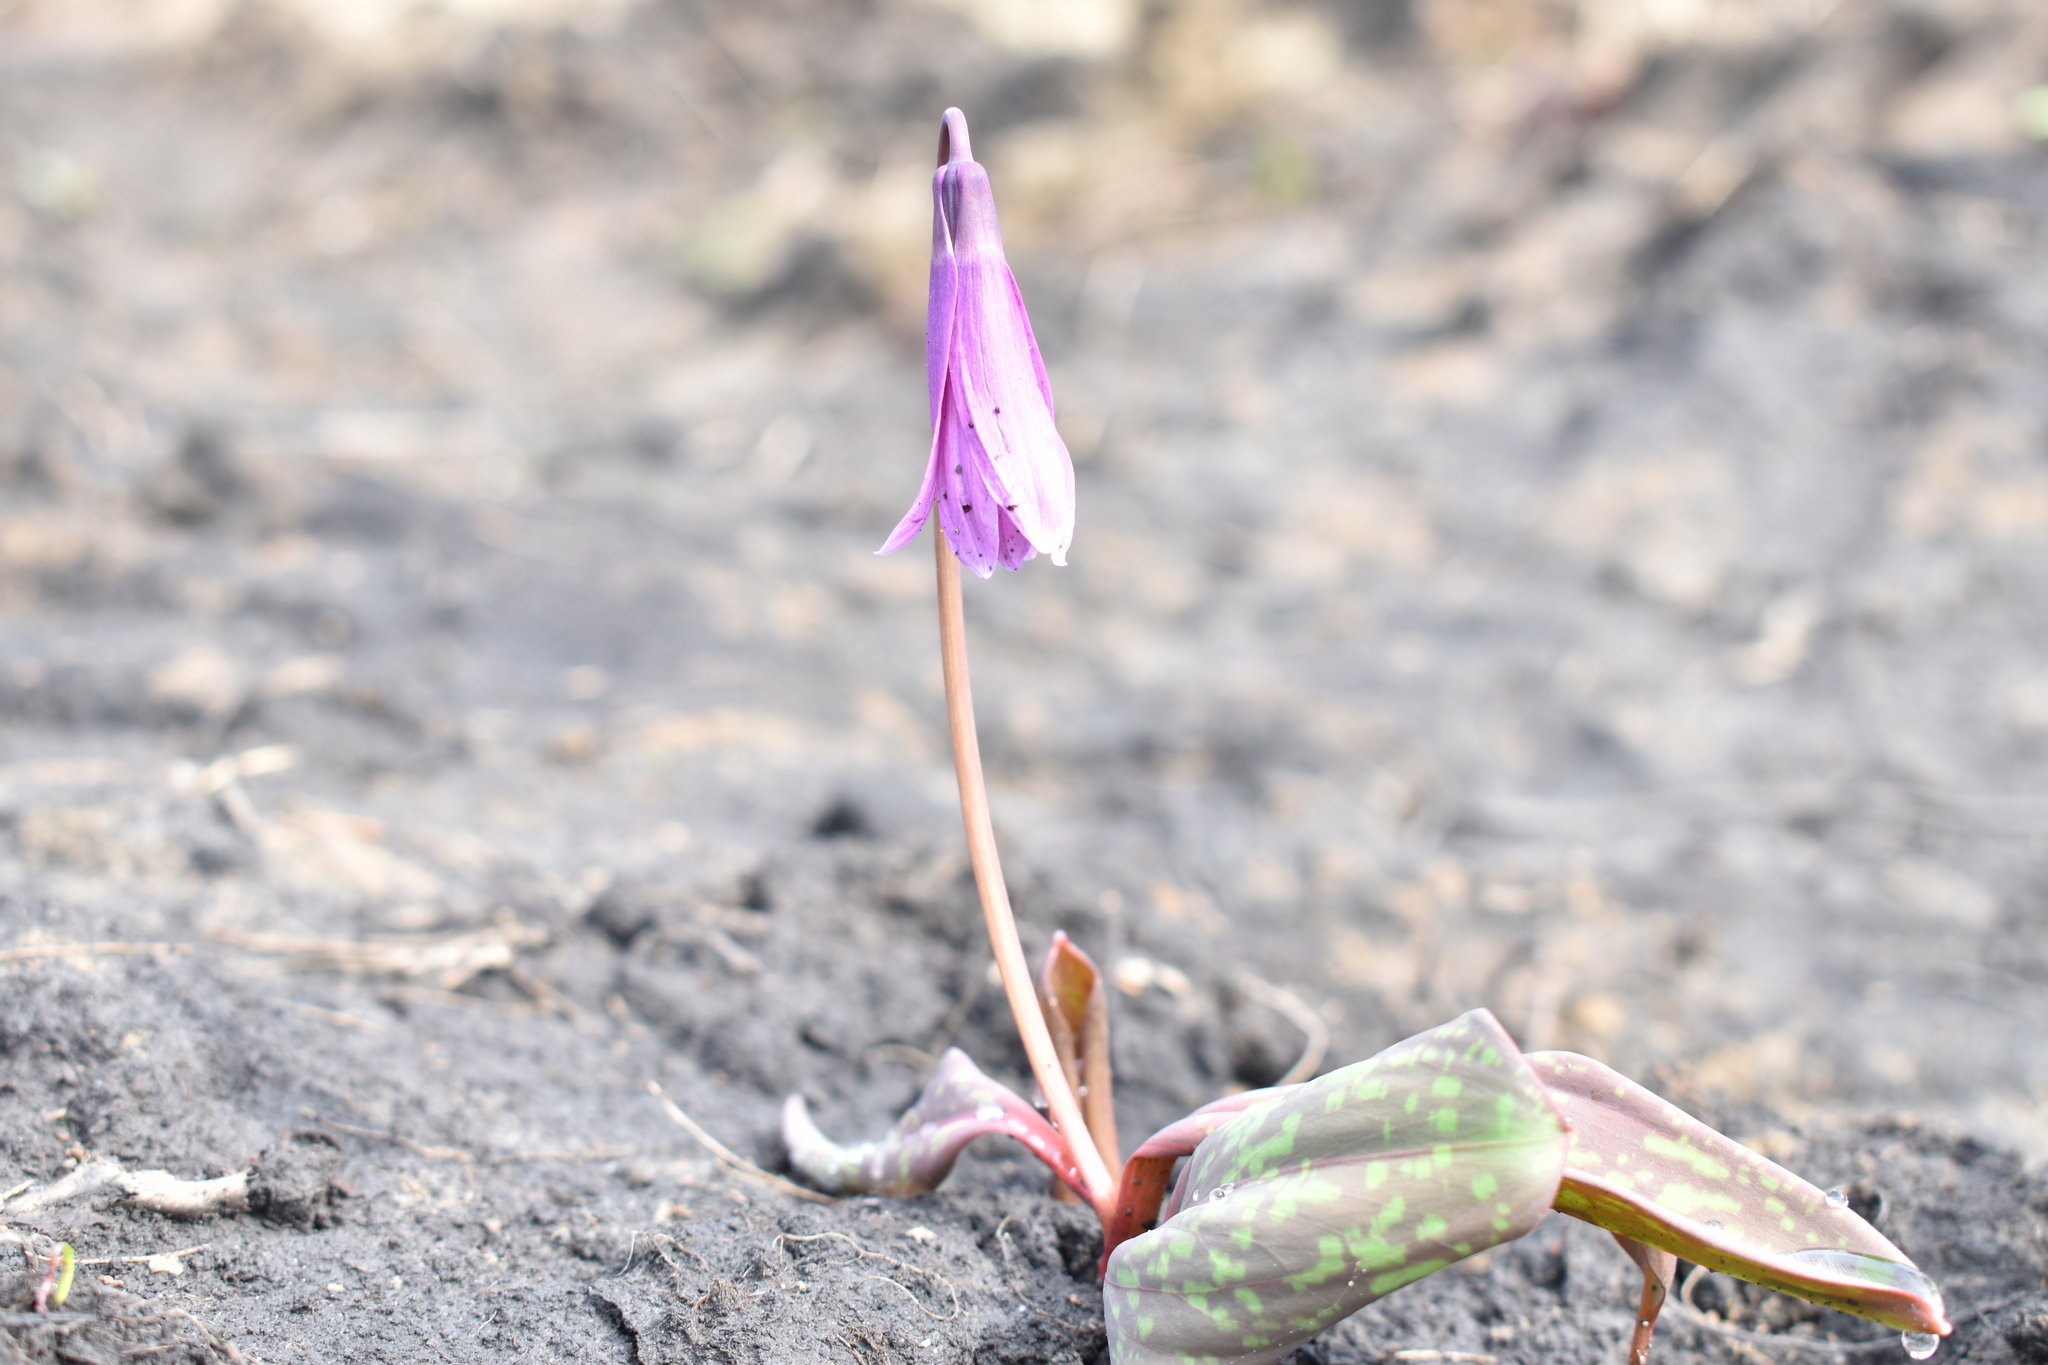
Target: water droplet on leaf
x: 1919, y: 1345
x: 1837, y: 1199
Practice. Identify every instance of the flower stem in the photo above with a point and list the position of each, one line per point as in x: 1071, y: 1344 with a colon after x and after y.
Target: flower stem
x: 995, y: 897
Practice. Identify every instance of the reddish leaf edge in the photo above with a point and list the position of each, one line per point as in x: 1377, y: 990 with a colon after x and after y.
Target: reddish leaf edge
x: 1142, y: 1189
x: 1070, y: 992
x: 1872, y: 1279
x: 1863, y: 1274
x: 1878, y: 1282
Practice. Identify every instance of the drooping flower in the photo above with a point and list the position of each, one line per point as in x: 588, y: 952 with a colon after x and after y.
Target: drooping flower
x: 999, y: 473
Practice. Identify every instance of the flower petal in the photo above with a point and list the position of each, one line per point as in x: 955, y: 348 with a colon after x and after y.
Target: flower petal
x: 966, y: 501
x: 1014, y: 547
x: 920, y: 506
x: 998, y: 472
x: 938, y: 318
x: 938, y: 338
x: 1037, y: 360
x: 995, y: 357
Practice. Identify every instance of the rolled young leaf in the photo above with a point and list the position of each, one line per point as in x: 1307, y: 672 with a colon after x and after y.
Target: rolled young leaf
x: 1334, y: 1193
x: 957, y: 1106
x: 1644, y: 1169
x: 1077, y: 1015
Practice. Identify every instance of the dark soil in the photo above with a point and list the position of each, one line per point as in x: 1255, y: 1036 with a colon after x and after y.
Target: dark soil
x: 1562, y: 529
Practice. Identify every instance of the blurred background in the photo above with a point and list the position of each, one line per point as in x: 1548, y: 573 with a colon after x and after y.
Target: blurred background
x: 1563, y: 519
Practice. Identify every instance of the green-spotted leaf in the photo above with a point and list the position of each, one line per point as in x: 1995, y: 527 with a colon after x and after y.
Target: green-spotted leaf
x: 1143, y: 1187
x: 1329, y: 1195
x: 958, y: 1106
x: 1644, y: 1169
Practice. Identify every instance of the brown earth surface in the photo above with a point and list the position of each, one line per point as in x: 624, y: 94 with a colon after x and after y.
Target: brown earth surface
x: 1563, y: 527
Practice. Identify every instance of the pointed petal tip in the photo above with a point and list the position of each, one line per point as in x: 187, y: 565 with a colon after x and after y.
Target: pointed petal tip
x: 953, y: 144
x: 905, y: 532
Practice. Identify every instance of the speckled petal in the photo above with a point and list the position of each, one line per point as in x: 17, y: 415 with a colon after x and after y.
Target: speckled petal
x: 968, y: 508
x: 998, y: 471
x: 998, y: 361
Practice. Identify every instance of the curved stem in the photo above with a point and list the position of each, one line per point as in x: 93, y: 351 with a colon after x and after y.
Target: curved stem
x: 995, y: 897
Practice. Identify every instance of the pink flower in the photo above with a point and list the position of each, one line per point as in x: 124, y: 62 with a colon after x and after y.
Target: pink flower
x: 999, y: 472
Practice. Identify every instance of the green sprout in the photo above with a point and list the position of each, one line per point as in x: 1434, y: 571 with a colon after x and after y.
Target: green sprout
x: 55, y: 1286
x: 1297, y: 1205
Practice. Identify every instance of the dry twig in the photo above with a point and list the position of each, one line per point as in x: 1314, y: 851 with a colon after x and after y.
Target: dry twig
x: 157, y: 1191
x: 417, y: 1148
x: 731, y: 1160
x: 1316, y: 1034
x: 451, y: 960
x: 30, y: 952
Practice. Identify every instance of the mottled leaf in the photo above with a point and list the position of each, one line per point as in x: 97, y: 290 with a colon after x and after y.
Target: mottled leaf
x: 958, y: 1106
x: 1143, y: 1187
x: 1331, y: 1194
x: 1644, y: 1169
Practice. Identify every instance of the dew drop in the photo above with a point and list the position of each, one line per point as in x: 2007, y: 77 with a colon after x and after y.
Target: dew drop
x: 1221, y: 1191
x: 1837, y: 1200
x: 1713, y: 1223
x: 1919, y: 1345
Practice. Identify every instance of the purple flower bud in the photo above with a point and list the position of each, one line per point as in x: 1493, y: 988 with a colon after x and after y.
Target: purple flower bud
x: 999, y: 472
